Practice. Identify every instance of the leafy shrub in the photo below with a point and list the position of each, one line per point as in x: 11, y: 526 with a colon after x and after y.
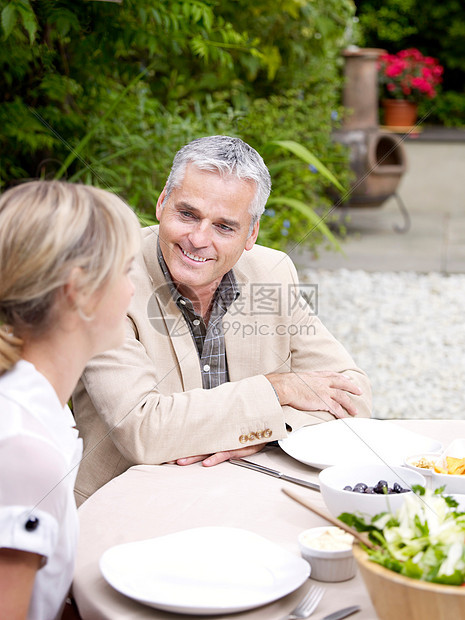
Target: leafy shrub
x: 308, y: 120
x: 106, y: 93
x: 448, y: 108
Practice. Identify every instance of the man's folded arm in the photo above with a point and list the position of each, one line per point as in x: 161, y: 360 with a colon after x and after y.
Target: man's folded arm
x: 149, y: 427
x: 314, y: 348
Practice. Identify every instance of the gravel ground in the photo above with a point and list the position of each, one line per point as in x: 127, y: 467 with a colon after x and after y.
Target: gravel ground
x: 407, y: 332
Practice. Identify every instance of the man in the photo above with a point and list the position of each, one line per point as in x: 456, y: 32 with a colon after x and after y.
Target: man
x: 222, y: 355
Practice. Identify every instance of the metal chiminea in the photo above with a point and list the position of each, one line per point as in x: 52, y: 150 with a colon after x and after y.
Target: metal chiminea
x: 377, y: 158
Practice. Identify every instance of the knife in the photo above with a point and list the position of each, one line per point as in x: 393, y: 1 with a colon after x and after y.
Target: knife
x: 275, y: 473
x: 342, y: 613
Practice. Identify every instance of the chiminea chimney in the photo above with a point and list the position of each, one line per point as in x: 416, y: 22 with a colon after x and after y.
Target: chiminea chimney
x: 360, y: 94
x: 377, y: 157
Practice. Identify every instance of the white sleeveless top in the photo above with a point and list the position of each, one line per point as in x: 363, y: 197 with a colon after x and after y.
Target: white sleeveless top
x: 39, y: 457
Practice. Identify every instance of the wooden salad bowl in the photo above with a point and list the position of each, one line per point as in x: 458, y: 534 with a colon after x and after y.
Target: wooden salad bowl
x: 395, y: 597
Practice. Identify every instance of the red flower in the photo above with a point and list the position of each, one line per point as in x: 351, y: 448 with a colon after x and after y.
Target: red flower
x: 409, y: 74
x: 396, y: 68
x: 423, y: 85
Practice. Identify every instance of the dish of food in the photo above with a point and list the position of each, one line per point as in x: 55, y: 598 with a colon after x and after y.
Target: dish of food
x: 329, y: 552
x: 452, y: 483
x: 450, y: 465
x: 330, y: 538
x: 445, y: 469
x: 423, y: 463
x: 437, y: 463
x: 338, y: 499
x: 422, y: 540
x: 392, y: 594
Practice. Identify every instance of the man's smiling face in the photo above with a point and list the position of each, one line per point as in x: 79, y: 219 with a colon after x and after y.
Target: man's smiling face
x: 204, y: 228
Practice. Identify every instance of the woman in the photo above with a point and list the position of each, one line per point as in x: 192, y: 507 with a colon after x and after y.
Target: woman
x: 65, y: 257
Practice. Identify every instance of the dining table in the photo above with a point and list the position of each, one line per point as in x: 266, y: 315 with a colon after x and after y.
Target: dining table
x: 150, y: 501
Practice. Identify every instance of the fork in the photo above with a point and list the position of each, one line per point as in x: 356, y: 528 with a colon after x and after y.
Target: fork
x: 307, y: 605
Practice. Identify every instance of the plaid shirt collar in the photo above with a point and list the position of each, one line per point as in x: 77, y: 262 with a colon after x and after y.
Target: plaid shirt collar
x: 208, y: 339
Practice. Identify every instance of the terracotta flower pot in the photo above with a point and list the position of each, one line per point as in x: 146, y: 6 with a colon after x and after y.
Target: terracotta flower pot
x: 399, y: 113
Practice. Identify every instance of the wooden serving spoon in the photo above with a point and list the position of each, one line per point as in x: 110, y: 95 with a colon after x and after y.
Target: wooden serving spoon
x: 362, y: 538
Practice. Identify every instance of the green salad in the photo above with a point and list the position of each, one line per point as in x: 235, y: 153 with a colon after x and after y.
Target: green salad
x: 424, y: 539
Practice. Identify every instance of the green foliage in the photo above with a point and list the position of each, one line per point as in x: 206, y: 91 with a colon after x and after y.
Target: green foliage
x: 281, y: 121
x: 304, y: 154
x: 55, y: 91
x: 448, y: 108
x: 132, y: 150
x: 299, y: 40
x: 106, y: 93
x: 437, y: 29
x: 19, y: 11
x: 301, y: 208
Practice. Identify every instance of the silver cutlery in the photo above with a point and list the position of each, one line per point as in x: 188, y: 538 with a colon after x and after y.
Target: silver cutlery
x: 307, y: 605
x: 342, y: 613
x: 275, y: 473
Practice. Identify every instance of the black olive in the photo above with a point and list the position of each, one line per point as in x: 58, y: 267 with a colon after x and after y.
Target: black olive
x: 381, y: 487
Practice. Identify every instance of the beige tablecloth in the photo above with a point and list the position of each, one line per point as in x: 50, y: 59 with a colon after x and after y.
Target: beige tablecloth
x: 150, y: 501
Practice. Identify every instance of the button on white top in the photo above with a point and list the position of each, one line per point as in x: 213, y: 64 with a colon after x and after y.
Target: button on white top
x: 206, y: 368
x: 182, y: 301
x: 196, y: 322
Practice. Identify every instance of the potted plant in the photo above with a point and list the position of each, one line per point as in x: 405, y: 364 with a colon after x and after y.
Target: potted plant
x: 406, y: 78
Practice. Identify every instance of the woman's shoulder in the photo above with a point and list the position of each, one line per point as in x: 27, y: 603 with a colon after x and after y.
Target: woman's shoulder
x: 36, y: 472
x: 30, y: 405
x: 25, y: 441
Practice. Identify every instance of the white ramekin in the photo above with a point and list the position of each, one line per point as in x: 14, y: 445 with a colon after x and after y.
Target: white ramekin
x: 327, y: 565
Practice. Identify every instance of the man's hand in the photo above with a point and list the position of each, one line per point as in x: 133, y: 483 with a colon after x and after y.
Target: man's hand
x: 316, y: 391
x: 220, y: 457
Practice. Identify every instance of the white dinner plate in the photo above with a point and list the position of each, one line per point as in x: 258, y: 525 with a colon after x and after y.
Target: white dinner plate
x: 355, y: 441
x: 206, y: 570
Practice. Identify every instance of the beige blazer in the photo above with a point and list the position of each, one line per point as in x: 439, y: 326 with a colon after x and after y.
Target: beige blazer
x: 144, y: 404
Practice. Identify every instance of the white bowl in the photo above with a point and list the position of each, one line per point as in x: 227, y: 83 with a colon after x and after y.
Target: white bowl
x: 454, y: 483
x: 429, y: 456
x: 327, y: 565
x: 334, y: 479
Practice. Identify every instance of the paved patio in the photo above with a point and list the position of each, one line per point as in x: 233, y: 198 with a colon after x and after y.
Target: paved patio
x: 396, y: 300
x: 433, y: 190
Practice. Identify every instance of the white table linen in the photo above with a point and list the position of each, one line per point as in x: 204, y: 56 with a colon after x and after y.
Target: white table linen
x: 150, y: 501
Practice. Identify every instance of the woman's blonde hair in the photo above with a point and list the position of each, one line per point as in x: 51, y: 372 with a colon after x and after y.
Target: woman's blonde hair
x: 47, y: 228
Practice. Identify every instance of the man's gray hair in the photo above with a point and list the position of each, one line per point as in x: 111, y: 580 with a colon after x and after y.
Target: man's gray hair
x: 224, y: 155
